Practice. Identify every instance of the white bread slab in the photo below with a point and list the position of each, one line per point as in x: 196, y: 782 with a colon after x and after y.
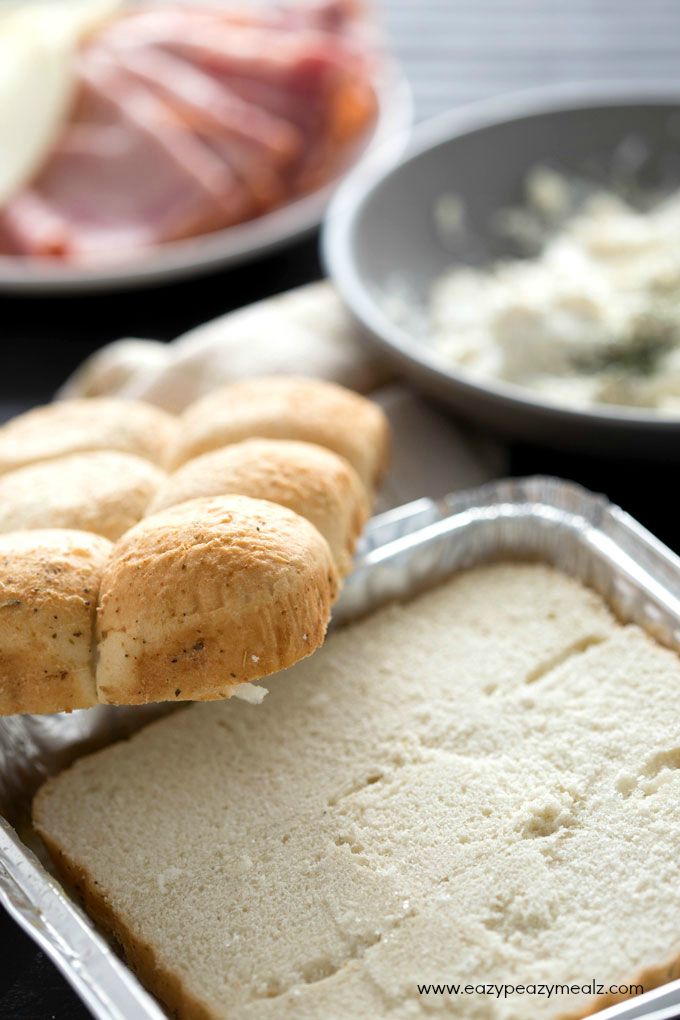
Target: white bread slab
x: 288, y: 407
x: 102, y: 491
x: 49, y: 581
x: 483, y: 786
x: 74, y: 426
x: 207, y: 595
x: 314, y: 482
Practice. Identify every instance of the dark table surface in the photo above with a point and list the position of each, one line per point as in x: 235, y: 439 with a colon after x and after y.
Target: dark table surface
x: 454, y: 51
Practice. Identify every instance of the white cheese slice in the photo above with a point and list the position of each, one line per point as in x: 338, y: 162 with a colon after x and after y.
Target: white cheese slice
x: 37, y: 79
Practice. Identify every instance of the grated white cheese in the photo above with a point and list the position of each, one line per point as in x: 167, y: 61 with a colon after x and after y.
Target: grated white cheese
x: 593, y: 317
x: 252, y: 693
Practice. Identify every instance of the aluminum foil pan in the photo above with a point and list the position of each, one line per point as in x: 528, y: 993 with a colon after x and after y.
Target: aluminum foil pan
x: 403, y: 551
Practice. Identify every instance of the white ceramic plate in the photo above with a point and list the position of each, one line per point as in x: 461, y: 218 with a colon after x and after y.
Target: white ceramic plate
x: 241, y: 243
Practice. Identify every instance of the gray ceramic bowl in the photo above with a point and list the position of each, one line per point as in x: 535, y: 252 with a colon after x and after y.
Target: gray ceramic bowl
x: 381, y: 228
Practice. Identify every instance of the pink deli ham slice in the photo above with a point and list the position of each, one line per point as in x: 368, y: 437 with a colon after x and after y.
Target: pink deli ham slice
x: 307, y: 80
x: 30, y: 226
x: 129, y: 173
x: 144, y: 24
x: 300, y: 76
x: 191, y: 119
x: 262, y: 150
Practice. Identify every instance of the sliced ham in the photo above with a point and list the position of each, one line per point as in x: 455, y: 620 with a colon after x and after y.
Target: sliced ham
x: 29, y: 225
x: 310, y: 83
x: 191, y: 119
x: 129, y: 173
x: 262, y: 150
x: 308, y: 80
x: 145, y: 25
x: 297, y: 72
x: 188, y: 90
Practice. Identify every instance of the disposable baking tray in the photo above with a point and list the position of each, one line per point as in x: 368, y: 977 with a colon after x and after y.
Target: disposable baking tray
x: 403, y: 551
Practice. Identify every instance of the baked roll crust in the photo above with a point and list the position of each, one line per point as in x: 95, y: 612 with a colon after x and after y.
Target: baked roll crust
x: 207, y: 595
x: 74, y: 426
x: 231, y: 574
x: 49, y: 582
x: 314, y: 482
x: 105, y: 492
x: 288, y: 407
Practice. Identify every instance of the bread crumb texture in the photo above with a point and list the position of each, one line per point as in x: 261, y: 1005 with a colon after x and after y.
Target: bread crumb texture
x: 481, y: 786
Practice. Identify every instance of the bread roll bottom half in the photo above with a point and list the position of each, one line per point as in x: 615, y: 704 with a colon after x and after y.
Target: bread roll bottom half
x: 481, y: 785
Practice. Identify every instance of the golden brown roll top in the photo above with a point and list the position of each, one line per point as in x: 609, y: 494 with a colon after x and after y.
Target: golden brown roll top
x: 208, y: 595
x: 74, y: 426
x: 49, y: 583
x: 105, y: 492
x: 231, y: 580
x: 314, y: 482
x: 285, y: 407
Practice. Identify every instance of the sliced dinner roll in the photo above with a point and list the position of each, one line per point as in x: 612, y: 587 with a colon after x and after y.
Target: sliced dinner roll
x: 210, y: 594
x: 74, y: 426
x: 49, y: 582
x: 287, y: 407
x: 314, y: 482
x: 104, y: 491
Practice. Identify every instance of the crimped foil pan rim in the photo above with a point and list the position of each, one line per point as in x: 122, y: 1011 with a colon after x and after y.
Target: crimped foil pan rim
x: 64, y: 933
x: 39, y: 905
x: 406, y: 549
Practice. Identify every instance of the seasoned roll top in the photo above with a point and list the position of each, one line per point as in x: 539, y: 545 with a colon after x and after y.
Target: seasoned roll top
x: 287, y: 407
